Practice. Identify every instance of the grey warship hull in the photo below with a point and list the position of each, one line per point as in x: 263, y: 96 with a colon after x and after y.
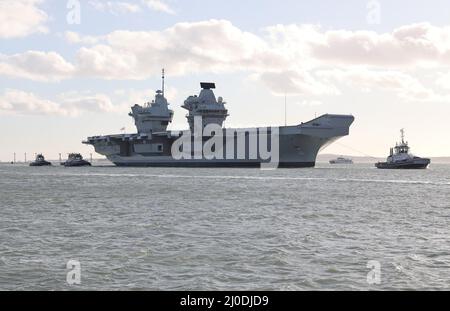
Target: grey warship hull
x: 298, y: 146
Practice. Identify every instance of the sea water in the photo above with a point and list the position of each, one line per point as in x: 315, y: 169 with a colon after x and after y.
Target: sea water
x: 349, y: 227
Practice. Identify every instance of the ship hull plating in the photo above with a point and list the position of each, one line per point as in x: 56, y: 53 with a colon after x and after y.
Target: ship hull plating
x: 209, y: 163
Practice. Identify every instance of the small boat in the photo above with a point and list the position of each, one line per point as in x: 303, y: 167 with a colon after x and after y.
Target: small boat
x: 75, y: 159
x: 341, y: 160
x: 40, y: 161
x: 401, y: 158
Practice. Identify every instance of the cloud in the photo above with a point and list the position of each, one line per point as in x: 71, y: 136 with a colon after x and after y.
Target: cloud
x: 74, y: 103
x: 443, y: 80
x: 24, y: 103
x: 115, y: 7
x: 295, y: 83
x: 416, y: 44
x: 183, y: 48
x: 19, y: 102
x: 36, y: 65
x: 77, y: 103
x: 20, y: 18
x: 75, y: 38
x: 123, y: 7
x: 286, y: 58
x: 404, y: 85
x: 158, y: 5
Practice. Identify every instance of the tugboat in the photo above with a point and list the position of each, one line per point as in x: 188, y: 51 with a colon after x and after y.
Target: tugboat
x: 341, y: 160
x: 75, y: 159
x: 40, y: 161
x: 400, y: 158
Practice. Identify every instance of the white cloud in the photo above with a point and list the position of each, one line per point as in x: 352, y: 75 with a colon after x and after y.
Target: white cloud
x: 296, y: 83
x: 123, y: 7
x: 443, y: 80
x: 74, y: 103
x: 75, y: 38
x: 416, y: 44
x: 192, y: 47
x: 404, y: 85
x: 183, y: 48
x: 19, y: 102
x: 289, y: 58
x: 158, y: 5
x: 36, y: 65
x: 79, y: 103
x: 115, y: 7
x: 20, y: 18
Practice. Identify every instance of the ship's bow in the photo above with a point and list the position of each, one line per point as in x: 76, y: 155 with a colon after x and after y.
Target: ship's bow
x: 299, y: 145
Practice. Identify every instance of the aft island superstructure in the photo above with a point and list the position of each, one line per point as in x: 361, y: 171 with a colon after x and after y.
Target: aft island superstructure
x: 207, y: 144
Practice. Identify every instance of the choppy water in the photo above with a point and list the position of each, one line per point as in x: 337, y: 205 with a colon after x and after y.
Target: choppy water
x: 224, y: 229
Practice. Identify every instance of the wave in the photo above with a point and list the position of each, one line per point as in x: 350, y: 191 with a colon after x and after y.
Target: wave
x: 263, y: 178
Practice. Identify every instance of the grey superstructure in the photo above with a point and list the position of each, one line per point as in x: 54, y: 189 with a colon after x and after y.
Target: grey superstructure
x: 153, y: 144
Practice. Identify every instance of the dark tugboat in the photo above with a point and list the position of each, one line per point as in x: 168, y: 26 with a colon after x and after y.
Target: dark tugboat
x: 40, y: 161
x: 75, y: 159
x: 400, y: 158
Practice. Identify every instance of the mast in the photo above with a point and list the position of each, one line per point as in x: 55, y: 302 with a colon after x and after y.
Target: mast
x: 402, y: 131
x: 163, y: 77
x: 285, y: 109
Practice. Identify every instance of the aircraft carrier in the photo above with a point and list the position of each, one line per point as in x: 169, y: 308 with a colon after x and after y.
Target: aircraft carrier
x: 207, y: 144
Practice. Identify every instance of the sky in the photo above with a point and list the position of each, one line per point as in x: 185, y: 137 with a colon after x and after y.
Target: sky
x: 72, y: 69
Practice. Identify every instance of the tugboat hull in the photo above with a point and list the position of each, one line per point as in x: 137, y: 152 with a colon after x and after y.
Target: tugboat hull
x: 40, y: 163
x: 76, y: 163
x: 413, y: 164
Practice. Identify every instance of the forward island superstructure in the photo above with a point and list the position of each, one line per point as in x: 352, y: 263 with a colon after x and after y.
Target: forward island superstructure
x: 207, y: 144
